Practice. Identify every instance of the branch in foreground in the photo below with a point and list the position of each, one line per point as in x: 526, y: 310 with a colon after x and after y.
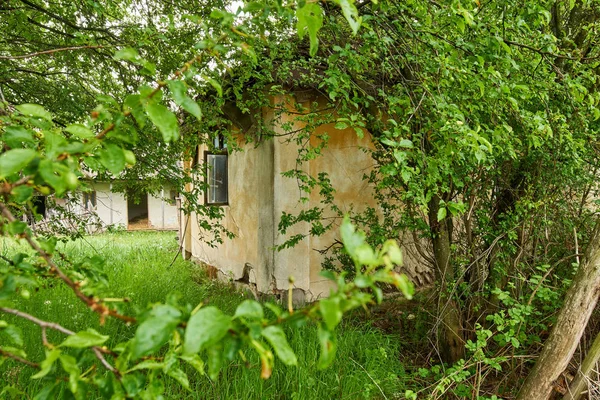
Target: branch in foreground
x: 52, y: 325
x: 91, y: 302
x: 39, y: 53
x: 19, y: 359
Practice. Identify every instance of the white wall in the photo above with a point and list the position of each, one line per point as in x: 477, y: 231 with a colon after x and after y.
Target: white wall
x: 110, y: 207
x: 162, y: 214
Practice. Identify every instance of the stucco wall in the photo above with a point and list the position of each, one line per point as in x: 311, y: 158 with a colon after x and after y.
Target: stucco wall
x: 162, y: 214
x: 259, y: 194
x: 241, y: 218
x: 110, y: 207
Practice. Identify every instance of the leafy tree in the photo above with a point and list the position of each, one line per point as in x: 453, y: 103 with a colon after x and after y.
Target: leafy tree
x: 484, y: 116
x: 47, y: 152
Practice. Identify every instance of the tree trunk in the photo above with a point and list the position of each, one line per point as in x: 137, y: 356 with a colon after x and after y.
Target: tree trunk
x: 573, y: 317
x: 450, y: 329
x: 581, y: 379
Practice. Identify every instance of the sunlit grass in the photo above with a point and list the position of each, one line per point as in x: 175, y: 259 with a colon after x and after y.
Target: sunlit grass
x: 144, y: 268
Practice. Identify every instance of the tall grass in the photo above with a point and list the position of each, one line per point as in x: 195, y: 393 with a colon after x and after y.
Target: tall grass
x: 138, y: 266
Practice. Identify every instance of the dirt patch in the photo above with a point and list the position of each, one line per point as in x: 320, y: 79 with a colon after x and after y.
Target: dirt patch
x: 138, y: 223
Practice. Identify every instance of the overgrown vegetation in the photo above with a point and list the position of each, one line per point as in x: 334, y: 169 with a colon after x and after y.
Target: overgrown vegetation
x: 484, y: 118
x: 143, y: 275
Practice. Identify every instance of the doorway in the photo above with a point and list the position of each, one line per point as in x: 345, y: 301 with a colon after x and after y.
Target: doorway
x: 137, y: 211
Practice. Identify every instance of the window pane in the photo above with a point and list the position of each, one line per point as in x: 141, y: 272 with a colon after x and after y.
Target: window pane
x: 217, y: 178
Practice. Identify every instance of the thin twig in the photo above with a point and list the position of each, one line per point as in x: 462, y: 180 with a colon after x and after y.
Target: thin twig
x: 40, y: 53
x: 93, y: 303
x: 106, y: 364
x: 369, y: 375
x: 37, y: 321
x: 52, y: 325
x: 15, y: 357
x: 547, y: 53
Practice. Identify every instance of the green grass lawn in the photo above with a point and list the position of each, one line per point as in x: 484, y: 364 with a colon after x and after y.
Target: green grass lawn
x: 368, y: 364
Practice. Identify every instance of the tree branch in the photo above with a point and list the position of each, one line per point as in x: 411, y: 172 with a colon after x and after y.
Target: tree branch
x: 39, y: 53
x: 19, y: 359
x: 93, y: 303
x: 52, y: 325
x: 37, y: 321
x: 547, y: 53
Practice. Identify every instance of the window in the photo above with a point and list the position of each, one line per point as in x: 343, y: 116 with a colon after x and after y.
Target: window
x: 89, y: 200
x: 216, y: 173
x: 172, y: 197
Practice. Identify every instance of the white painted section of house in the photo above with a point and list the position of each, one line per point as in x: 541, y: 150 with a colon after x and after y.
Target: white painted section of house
x: 162, y: 214
x: 110, y: 207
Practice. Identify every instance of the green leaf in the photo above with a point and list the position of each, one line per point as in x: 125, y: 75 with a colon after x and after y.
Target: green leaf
x: 48, y: 392
x: 53, y: 173
x: 249, y: 309
x: 215, y: 360
x: 16, y: 136
x: 133, y: 383
x: 34, y: 110
x: 180, y: 377
x: 363, y: 281
x: 155, y: 330
x: 205, y: 328
x: 17, y: 227
x: 134, y: 105
x: 310, y: 18
x: 195, y: 361
x: 148, y: 364
x: 275, y: 309
x: 15, y: 334
x: 331, y: 312
x: 22, y: 193
x: 164, y: 120
x: 15, y: 160
x: 113, y: 158
x: 350, y: 13
x: 80, y: 131
x: 391, y: 248
x: 341, y: 125
x: 352, y: 240
x: 402, y: 282
x: 215, y: 85
x: 46, y: 365
x: 277, y: 339
x: 406, y: 144
x: 69, y: 364
x: 441, y: 214
x: 127, y: 54
x: 365, y: 255
x: 179, y: 91
x: 87, y: 338
x: 328, y: 348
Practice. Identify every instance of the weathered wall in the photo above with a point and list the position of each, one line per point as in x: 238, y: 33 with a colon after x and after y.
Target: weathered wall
x: 259, y: 194
x: 162, y: 214
x: 110, y: 207
x: 241, y: 217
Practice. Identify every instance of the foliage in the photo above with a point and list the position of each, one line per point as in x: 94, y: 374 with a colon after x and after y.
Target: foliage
x: 484, y: 118
x: 48, y: 152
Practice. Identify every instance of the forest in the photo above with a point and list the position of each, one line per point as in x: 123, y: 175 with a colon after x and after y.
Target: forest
x: 483, y: 118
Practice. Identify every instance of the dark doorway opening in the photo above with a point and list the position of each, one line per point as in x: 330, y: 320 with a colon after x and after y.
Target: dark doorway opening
x: 39, y: 206
x: 137, y: 211
x: 38, y: 210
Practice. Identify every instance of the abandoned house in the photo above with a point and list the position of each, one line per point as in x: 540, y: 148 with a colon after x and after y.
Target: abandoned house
x: 254, y: 194
x: 101, y: 207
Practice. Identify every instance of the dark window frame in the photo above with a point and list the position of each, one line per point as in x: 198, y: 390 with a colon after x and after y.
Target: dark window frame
x: 90, y: 198
x: 226, y: 177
